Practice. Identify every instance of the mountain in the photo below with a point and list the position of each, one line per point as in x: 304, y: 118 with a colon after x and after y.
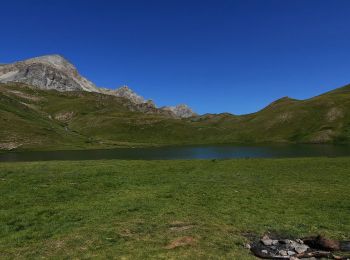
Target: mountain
x: 46, y: 72
x: 53, y: 72
x: 32, y: 118
x: 68, y: 112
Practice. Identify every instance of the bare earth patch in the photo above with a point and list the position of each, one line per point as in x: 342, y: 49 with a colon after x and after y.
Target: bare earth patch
x: 182, y: 241
x: 24, y: 95
x: 322, y: 136
x: 125, y: 233
x: 334, y: 114
x: 180, y: 226
x: 64, y: 116
x: 9, y: 146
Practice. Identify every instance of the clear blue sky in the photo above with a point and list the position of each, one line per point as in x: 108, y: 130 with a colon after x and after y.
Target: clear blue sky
x: 216, y: 56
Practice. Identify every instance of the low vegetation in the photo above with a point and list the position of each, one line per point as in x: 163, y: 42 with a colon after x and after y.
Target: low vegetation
x: 167, y: 209
x: 38, y: 119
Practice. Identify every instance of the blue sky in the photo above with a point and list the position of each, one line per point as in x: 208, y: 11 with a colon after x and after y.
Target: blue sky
x: 216, y: 56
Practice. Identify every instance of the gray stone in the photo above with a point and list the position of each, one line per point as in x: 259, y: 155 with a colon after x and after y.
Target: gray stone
x: 301, y: 248
x: 266, y: 241
x: 264, y: 251
x: 283, y: 253
x: 290, y: 252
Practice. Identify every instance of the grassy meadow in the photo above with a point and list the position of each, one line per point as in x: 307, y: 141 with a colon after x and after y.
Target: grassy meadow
x: 167, y: 209
x: 34, y: 119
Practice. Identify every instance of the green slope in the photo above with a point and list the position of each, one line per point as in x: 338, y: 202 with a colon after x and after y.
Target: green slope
x: 37, y: 119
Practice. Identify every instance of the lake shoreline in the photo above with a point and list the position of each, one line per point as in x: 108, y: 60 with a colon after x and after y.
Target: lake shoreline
x: 188, y: 152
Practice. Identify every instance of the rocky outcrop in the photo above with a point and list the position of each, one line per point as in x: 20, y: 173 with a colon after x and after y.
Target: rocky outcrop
x: 46, y: 72
x: 182, y: 111
x: 308, y: 248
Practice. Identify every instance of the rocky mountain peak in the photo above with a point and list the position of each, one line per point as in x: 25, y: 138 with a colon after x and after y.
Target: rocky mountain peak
x: 57, y: 73
x: 182, y: 111
x: 54, y: 60
x: 126, y: 92
x: 46, y: 72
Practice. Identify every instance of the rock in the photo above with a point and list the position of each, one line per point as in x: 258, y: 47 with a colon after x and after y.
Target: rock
x: 247, y: 246
x: 275, y: 242
x: 264, y: 251
x: 299, y: 241
x: 266, y: 240
x: 294, y: 258
x: 283, y: 252
x: 301, y: 248
x: 290, y: 252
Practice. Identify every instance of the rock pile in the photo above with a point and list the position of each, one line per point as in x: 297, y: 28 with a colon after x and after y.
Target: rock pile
x: 268, y: 248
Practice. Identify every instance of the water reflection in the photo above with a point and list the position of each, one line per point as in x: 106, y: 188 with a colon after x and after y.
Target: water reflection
x: 185, y: 152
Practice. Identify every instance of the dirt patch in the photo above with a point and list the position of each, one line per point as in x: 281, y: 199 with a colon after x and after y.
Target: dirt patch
x: 125, y: 233
x: 182, y: 241
x: 31, y: 106
x: 334, y: 114
x: 322, y: 136
x: 9, y: 145
x: 24, y: 95
x: 64, y: 116
x: 178, y: 226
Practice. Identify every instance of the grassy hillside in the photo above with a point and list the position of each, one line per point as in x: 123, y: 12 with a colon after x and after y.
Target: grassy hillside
x: 37, y: 119
x: 98, y: 209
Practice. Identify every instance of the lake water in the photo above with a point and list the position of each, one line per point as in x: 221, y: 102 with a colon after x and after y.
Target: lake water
x: 185, y: 152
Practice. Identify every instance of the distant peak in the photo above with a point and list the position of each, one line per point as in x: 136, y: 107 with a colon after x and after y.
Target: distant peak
x: 126, y: 92
x: 181, y: 110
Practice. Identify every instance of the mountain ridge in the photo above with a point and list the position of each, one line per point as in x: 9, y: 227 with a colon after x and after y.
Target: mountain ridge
x: 35, y: 118
x: 56, y: 72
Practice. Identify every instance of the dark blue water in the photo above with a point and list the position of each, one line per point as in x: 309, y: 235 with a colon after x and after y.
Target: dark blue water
x: 185, y: 152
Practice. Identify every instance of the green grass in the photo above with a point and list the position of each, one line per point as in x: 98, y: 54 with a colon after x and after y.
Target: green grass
x: 30, y: 119
x: 125, y: 209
